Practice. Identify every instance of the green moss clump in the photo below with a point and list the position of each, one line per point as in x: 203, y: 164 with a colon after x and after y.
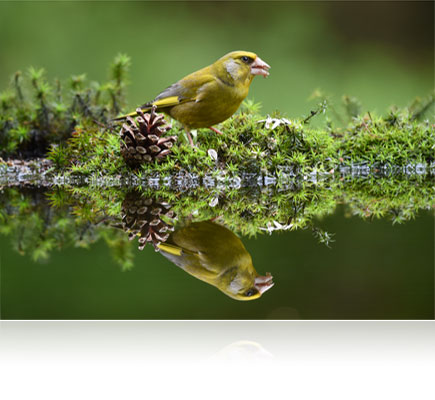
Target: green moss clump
x: 36, y: 114
x: 256, y: 144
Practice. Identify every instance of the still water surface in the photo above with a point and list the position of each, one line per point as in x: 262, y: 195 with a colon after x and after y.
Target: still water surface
x: 66, y: 254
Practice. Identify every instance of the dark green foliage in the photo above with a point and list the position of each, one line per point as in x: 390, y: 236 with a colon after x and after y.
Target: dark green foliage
x: 40, y: 221
x: 35, y: 114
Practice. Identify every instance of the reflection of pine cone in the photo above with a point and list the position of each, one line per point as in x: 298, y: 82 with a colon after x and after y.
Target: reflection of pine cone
x: 142, y: 217
x: 141, y: 139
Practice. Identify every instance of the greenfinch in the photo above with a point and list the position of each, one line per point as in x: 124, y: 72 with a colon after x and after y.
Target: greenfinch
x: 210, y: 95
x: 215, y: 255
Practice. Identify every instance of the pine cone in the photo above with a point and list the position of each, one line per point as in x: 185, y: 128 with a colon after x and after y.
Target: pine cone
x: 141, y: 139
x: 142, y: 217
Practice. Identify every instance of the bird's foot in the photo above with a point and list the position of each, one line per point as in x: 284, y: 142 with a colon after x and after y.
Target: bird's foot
x: 216, y: 130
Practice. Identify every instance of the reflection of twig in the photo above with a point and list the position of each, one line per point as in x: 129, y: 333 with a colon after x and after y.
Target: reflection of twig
x: 85, y: 230
x: 322, y: 236
x: 105, y: 218
x: 117, y: 226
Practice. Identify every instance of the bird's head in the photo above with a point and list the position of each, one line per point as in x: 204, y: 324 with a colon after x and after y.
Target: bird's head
x: 242, y: 65
x: 261, y: 285
x: 245, y: 284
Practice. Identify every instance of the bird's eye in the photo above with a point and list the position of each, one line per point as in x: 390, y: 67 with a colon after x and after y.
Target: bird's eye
x: 250, y: 292
x: 247, y: 59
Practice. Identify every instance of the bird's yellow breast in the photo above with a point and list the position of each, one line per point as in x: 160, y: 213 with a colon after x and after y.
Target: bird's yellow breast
x: 217, y: 102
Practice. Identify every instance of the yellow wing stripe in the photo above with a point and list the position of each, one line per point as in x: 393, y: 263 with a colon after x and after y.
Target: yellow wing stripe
x: 132, y: 114
x: 167, y: 102
x: 162, y: 103
x: 174, y: 250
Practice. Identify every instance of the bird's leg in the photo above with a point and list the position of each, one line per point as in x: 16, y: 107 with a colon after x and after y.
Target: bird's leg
x: 190, y: 138
x: 216, y: 130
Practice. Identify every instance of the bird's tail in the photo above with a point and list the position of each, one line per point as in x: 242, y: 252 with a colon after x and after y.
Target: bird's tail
x: 132, y: 114
x: 161, y: 104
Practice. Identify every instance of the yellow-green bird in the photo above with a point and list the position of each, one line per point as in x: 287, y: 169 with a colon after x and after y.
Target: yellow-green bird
x: 215, y: 255
x: 210, y: 95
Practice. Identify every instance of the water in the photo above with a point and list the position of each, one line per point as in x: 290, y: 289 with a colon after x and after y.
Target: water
x: 356, y: 243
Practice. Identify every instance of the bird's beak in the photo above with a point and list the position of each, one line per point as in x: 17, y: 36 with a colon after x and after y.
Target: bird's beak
x: 263, y: 283
x: 259, y: 67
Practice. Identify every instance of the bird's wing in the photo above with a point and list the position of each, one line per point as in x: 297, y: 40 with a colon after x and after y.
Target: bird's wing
x: 186, y: 254
x: 170, y: 97
x: 188, y: 260
x: 187, y: 89
x: 190, y: 88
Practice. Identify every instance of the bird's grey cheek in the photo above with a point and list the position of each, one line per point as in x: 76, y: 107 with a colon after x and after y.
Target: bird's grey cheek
x: 235, y: 286
x: 232, y: 68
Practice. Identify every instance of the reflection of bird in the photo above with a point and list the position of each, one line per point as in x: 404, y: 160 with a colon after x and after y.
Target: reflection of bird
x: 212, y: 94
x: 215, y: 255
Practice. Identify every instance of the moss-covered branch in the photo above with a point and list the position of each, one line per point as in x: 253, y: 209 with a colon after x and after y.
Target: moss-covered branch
x: 73, y: 127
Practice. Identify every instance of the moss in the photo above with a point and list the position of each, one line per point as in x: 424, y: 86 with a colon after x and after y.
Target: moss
x: 257, y: 144
x: 74, y: 129
x: 36, y: 114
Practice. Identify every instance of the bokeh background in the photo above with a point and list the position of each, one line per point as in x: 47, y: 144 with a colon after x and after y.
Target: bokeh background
x: 379, y: 52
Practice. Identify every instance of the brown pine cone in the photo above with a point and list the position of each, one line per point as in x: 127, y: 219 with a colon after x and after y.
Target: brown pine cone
x: 141, y: 138
x: 142, y: 217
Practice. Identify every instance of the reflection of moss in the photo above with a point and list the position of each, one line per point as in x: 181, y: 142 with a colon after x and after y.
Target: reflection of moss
x: 41, y: 220
x: 392, y: 198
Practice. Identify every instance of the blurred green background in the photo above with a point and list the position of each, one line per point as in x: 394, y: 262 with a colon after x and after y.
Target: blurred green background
x: 379, y: 52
